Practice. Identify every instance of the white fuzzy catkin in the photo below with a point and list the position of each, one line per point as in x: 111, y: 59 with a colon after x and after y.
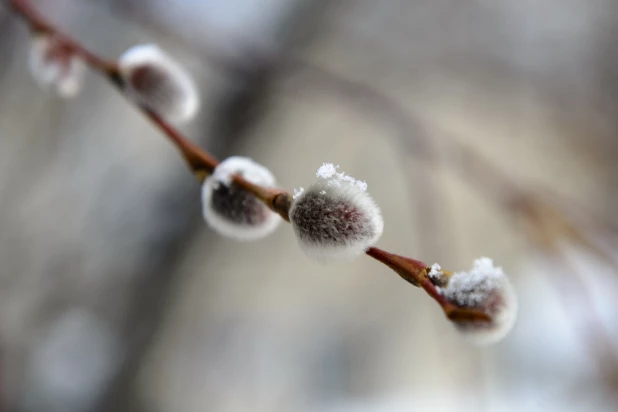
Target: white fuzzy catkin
x: 157, y: 81
x: 232, y: 211
x: 335, y: 218
x: 486, y: 288
x: 54, y: 67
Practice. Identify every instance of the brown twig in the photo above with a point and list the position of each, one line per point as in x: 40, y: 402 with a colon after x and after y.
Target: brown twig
x: 202, y: 164
x: 416, y: 272
x: 39, y: 24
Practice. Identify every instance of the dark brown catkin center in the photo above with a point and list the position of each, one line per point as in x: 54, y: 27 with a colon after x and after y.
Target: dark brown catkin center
x: 238, y: 206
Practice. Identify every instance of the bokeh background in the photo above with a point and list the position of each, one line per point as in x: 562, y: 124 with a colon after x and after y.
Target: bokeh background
x: 482, y: 127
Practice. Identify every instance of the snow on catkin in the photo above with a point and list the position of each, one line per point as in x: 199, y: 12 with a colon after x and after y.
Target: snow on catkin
x: 435, y: 272
x: 154, y: 79
x: 232, y: 211
x: 486, y: 288
x: 335, y: 218
x: 54, y: 67
x: 437, y: 275
x: 298, y: 192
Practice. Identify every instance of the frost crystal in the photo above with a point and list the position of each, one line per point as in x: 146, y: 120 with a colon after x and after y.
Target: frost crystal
x: 298, y: 192
x: 155, y: 80
x: 232, y: 211
x: 485, y: 288
x: 54, y: 66
x: 436, y: 272
x: 328, y: 171
x: 335, y: 218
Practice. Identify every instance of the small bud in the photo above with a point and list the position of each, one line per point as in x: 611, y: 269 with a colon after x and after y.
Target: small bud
x: 55, y: 66
x: 485, y: 288
x: 335, y: 218
x: 232, y: 211
x: 157, y: 81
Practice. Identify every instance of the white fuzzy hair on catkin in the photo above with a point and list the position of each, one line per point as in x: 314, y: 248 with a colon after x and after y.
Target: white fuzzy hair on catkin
x: 154, y: 79
x: 232, y: 211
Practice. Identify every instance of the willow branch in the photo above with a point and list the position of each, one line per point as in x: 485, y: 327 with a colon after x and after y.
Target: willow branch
x: 202, y: 164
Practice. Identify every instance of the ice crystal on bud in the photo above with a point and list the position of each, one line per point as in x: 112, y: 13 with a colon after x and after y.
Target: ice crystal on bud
x: 335, y: 218
x: 231, y: 210
x: 298, y: 192
x: 329, y: 172
x: 157, y: 81
x: 55, y: 66
x: 436, y: 272
x: 485, y: 288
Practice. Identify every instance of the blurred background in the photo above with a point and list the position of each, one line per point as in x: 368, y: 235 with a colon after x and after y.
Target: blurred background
x: 483, y: 128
